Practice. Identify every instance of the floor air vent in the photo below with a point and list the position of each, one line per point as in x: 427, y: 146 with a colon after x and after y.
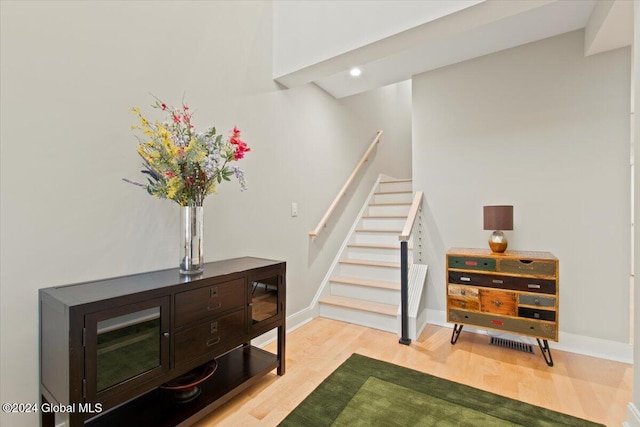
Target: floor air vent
x: 520, y: 346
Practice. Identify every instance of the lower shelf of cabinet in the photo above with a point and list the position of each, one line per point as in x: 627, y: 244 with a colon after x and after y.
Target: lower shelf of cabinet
x: 236, y: 371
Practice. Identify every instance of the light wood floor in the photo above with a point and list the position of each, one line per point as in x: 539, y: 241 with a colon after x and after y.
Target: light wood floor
x: 581, y: 386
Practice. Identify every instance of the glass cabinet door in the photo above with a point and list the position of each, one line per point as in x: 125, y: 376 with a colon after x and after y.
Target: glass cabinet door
x: 266, y: 297
x: 125, y: 347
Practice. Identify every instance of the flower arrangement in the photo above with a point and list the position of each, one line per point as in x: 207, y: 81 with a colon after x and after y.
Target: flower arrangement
x: 184, y: 165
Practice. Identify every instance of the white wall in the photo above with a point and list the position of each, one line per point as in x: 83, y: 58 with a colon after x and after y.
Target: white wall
x: 344, y: 25
x: 69, y: 71
x: 543, y: 128
x: 633, y: 415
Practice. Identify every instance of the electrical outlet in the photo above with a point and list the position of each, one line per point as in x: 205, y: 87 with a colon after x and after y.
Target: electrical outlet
x: 294, y: 209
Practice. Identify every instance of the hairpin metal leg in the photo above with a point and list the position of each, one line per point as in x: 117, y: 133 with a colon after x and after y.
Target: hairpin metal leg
x: 546, y: 351
x: 456, y: 333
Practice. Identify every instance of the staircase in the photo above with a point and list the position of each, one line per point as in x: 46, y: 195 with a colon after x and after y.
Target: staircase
x: 364, y: 285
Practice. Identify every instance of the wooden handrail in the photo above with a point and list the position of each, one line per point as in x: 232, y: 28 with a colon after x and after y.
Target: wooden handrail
x: 411, y: 219
x: 325, y: 218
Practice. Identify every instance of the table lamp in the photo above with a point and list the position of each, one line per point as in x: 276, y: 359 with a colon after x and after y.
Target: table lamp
x: 498, y: 218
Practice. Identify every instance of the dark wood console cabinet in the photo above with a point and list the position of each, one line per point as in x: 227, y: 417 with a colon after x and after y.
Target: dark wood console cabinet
x: 107, y: 346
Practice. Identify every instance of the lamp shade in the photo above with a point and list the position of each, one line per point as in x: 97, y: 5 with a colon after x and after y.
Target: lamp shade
x: 498, y: 217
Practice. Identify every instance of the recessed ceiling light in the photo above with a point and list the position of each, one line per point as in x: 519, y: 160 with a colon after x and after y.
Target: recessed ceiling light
x: 355, y: 72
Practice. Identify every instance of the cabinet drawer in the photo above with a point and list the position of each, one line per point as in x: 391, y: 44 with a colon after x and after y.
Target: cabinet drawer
x: 503, y: 282
x: 487, y: 280
x: 534, y: 313
x: 463, y: 291
x: 498, y: 302
x: 509, y: 324
x: 538, y: 300
x: 534, y: 285
x: 464, y: 303
x: 472, y: 263
x: 528, y: 266
x: 209, y: 336
x: 199, y: 304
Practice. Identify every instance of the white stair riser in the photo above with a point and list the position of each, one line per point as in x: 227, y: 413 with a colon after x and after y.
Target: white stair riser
x: 376, y: 210
x: 357, y: 317
x: 393, y: 198
x: 374, y: 254
x: 383, y: 223
x: 395, y: 186
x: 366, y: 293
x: 370, y: 272
x: 373, y: 238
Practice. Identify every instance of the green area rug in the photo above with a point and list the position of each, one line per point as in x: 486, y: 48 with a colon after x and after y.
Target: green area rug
x: 369, y: 392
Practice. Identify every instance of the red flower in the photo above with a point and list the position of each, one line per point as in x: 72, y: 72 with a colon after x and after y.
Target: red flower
x: 176, y: 118
x: 170, y: 174
x: 241, y: 148
x: 163, y: 106
x: 234, y: 138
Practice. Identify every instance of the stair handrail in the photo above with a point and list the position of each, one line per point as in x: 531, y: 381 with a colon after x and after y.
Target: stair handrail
x: 404, y: 237
x: 343, y: 191
x: 411, y: 218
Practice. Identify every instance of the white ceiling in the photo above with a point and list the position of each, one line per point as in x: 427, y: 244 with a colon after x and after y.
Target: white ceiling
x: 478, y: 30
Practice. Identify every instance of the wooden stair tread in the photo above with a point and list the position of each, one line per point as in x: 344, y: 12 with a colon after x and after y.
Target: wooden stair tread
x: 376, y: 230
x: 371, y: 263
x: 384, y: 216
x: 356, y: 304
x: 366, y: 282
x: 391, y: 204
x: 373, y: 246
x: 393, y: 192
x: 390, y: 181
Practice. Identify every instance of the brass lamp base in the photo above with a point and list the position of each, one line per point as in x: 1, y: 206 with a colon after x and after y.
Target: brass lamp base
x: 497, y: 242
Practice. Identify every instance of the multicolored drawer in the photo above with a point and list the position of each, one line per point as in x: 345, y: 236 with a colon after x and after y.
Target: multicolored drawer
x: 515, y: 292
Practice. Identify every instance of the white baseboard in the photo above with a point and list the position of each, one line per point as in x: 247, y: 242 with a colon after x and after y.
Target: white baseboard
x: 294, y: 321
x: 633, y: 416
x: 573, y: 343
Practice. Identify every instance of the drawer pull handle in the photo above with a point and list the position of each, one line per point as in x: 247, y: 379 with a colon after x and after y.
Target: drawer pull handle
x: 536, y: 301
x: 217, y: 306
x: 533, y: 286
x: 214, y: 292
x: 497, y: 322
x: 498, y: 282
x: 474, y: 263
x: 213, y: 341
x: 536, y: 315
x: 165, y: 334
x: 497, y: 303
x: 463, y: 304
x: 462, y: 292
x: 214, y: 327
x: 465, y: 279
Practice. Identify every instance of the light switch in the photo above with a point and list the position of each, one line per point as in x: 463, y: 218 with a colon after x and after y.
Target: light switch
x: 294, y: 209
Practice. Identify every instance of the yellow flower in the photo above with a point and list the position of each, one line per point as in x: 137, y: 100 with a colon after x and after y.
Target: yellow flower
x: 211, y: 189
x: 173, y: 186
x: 199, y: 150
